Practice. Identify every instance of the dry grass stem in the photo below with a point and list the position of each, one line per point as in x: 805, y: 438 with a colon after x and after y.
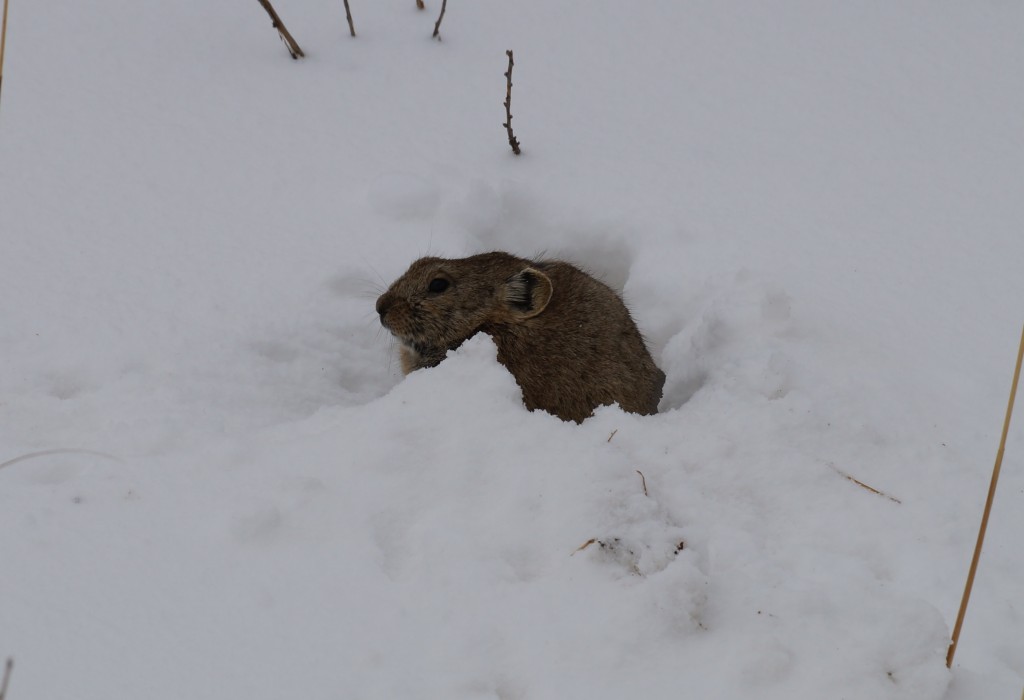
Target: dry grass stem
x: 286, y: 37
x: 643, y: 481
x: 57, y: 451
x: 988, y: 507
x: 3, y: 43
x: 865, y: 486
x: 583, y: 546
x: 512, y: 140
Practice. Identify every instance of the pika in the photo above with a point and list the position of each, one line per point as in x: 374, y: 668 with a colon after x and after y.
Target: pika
x: 567, y: 338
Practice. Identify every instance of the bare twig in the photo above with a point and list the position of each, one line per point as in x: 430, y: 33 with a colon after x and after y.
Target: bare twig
x: 988, y: 508
x: 865, y: 486
x: 3, y: 42
x: 286, y: 37
x: 7, y: 677
x: 643, y: 481
x: 512, y: 141
x: 437, y: 26
x: 348, y: 16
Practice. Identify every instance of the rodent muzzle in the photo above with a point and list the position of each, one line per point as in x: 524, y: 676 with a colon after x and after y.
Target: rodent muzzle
x: 384, y: 304
x: 395, y: 316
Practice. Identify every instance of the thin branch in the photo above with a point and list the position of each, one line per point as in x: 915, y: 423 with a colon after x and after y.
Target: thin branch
x: 348, y: 16
x: 286, y: 37
x: 437, y: 26
x: 7, y: 677
x: 988, y: 508
x: 512, y: 141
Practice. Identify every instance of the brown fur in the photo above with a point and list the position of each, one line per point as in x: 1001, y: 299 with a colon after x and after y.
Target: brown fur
x: 566, y: 338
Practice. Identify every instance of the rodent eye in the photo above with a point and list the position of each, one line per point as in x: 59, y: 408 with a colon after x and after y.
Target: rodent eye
x: 437, y: 285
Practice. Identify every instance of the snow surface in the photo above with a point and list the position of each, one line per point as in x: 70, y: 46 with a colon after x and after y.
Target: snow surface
x: 229, y: 491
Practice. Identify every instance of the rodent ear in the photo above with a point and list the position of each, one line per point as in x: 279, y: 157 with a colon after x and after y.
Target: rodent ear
x: 527, y: 293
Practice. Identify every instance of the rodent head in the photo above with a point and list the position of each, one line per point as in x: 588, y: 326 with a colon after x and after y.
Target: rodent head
x: 438, y: 304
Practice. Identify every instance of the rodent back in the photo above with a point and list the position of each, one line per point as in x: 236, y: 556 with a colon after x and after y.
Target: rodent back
x: 566, y: 337
x: 584, y: 351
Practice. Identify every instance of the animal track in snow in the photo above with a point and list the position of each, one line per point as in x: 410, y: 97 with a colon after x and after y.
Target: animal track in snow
x: 737, y: 338
x: 401, y: 196
x: 258, y: 526
x: 68, y: 384
x: 265, y: 522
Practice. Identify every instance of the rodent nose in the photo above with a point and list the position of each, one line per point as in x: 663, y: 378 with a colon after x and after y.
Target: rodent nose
x: 383, y: 304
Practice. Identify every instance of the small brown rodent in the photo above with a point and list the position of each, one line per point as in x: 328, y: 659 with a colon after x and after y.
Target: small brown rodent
x: 567, y: 338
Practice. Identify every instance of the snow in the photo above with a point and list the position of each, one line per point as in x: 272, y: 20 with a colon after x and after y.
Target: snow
x: 228, y: 489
